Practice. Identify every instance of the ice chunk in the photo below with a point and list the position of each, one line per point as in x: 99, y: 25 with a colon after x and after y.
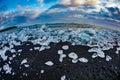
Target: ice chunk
x: 25, y: 74
x: 7, y: 69
x: 62, y: 56
x: 84, y: 36
x: 31, y: 49
x: 13, y: 55
x: 12, y: 50
x: 74, y: 60
x: 65, y: 47
x: 0, y: 69
x: 73, y: 55
x: 13, y: 73
x: 49, y: 63
x: 47, y: 47
x: 24, y: 61
x: 108, y: 58
x: 93, y: 50
x: 20, y: 50
x: 10, y: 58
x: 43, y: 27
x: 73, y: 43
x: 42, y: 71
x: 11, y: 46
x: 84, y: 60
x: 36, y: 48
x: 16, y: 43
x: 26, y: 65
x: 94, y: 55
x: 117, y: 52
x: 89, y: 31
x: 2, y: 53
x: 23, y: 37
x: 118, y: 49
x: 99, y: 52
x: 60, y: 51
x: 42, y: 48
x: 63, y: 77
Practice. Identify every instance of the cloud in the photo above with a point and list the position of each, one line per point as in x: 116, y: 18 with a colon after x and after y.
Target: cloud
x: 82, y: 5
x: 76, y: 3
x: 27, y: 10
x: 66, y: 2
x: 76, y: 16
x: 63, y: 11
x: 22, y: 15
x: 88, y: 6
x: 36, y: 13
x: 41, y: 2
x: 23, y: 10
x: 54, y: 10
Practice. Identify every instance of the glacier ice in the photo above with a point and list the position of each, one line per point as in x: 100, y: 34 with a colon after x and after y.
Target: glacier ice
x: 74, y: 60
x: 42, y: 71
x: 36, y: 48
x: 24, y: 61
x: 62, y: 56
x: 65, y: 47
x: 108, y: 58
x: 20, y: 50
x: 73, y: 55
x: 49, y: 63
x: 99, y: 52
x: 7, y: 68
x: 63, y: 77
x: 26, y: 65
x: 84, y: 60
x: 60, y: 52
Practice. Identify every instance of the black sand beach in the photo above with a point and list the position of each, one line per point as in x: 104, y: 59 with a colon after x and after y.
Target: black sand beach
x: 95, y: 69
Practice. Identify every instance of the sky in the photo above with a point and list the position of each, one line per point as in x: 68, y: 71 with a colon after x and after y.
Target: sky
x: 26, y: 12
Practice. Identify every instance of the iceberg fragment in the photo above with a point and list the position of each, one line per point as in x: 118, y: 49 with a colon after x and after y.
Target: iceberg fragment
x: 98, y: 40
x: 63, y: 77
x: 49, y: 63
x: 7, y: 68
x: 65, y: 47
x: 108, y: 58
x: 84, y: 60
x: 24, y: 61
x: 73, y: 55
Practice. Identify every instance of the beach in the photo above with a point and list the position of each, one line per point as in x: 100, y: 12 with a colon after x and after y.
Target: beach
x: 59, y: 54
